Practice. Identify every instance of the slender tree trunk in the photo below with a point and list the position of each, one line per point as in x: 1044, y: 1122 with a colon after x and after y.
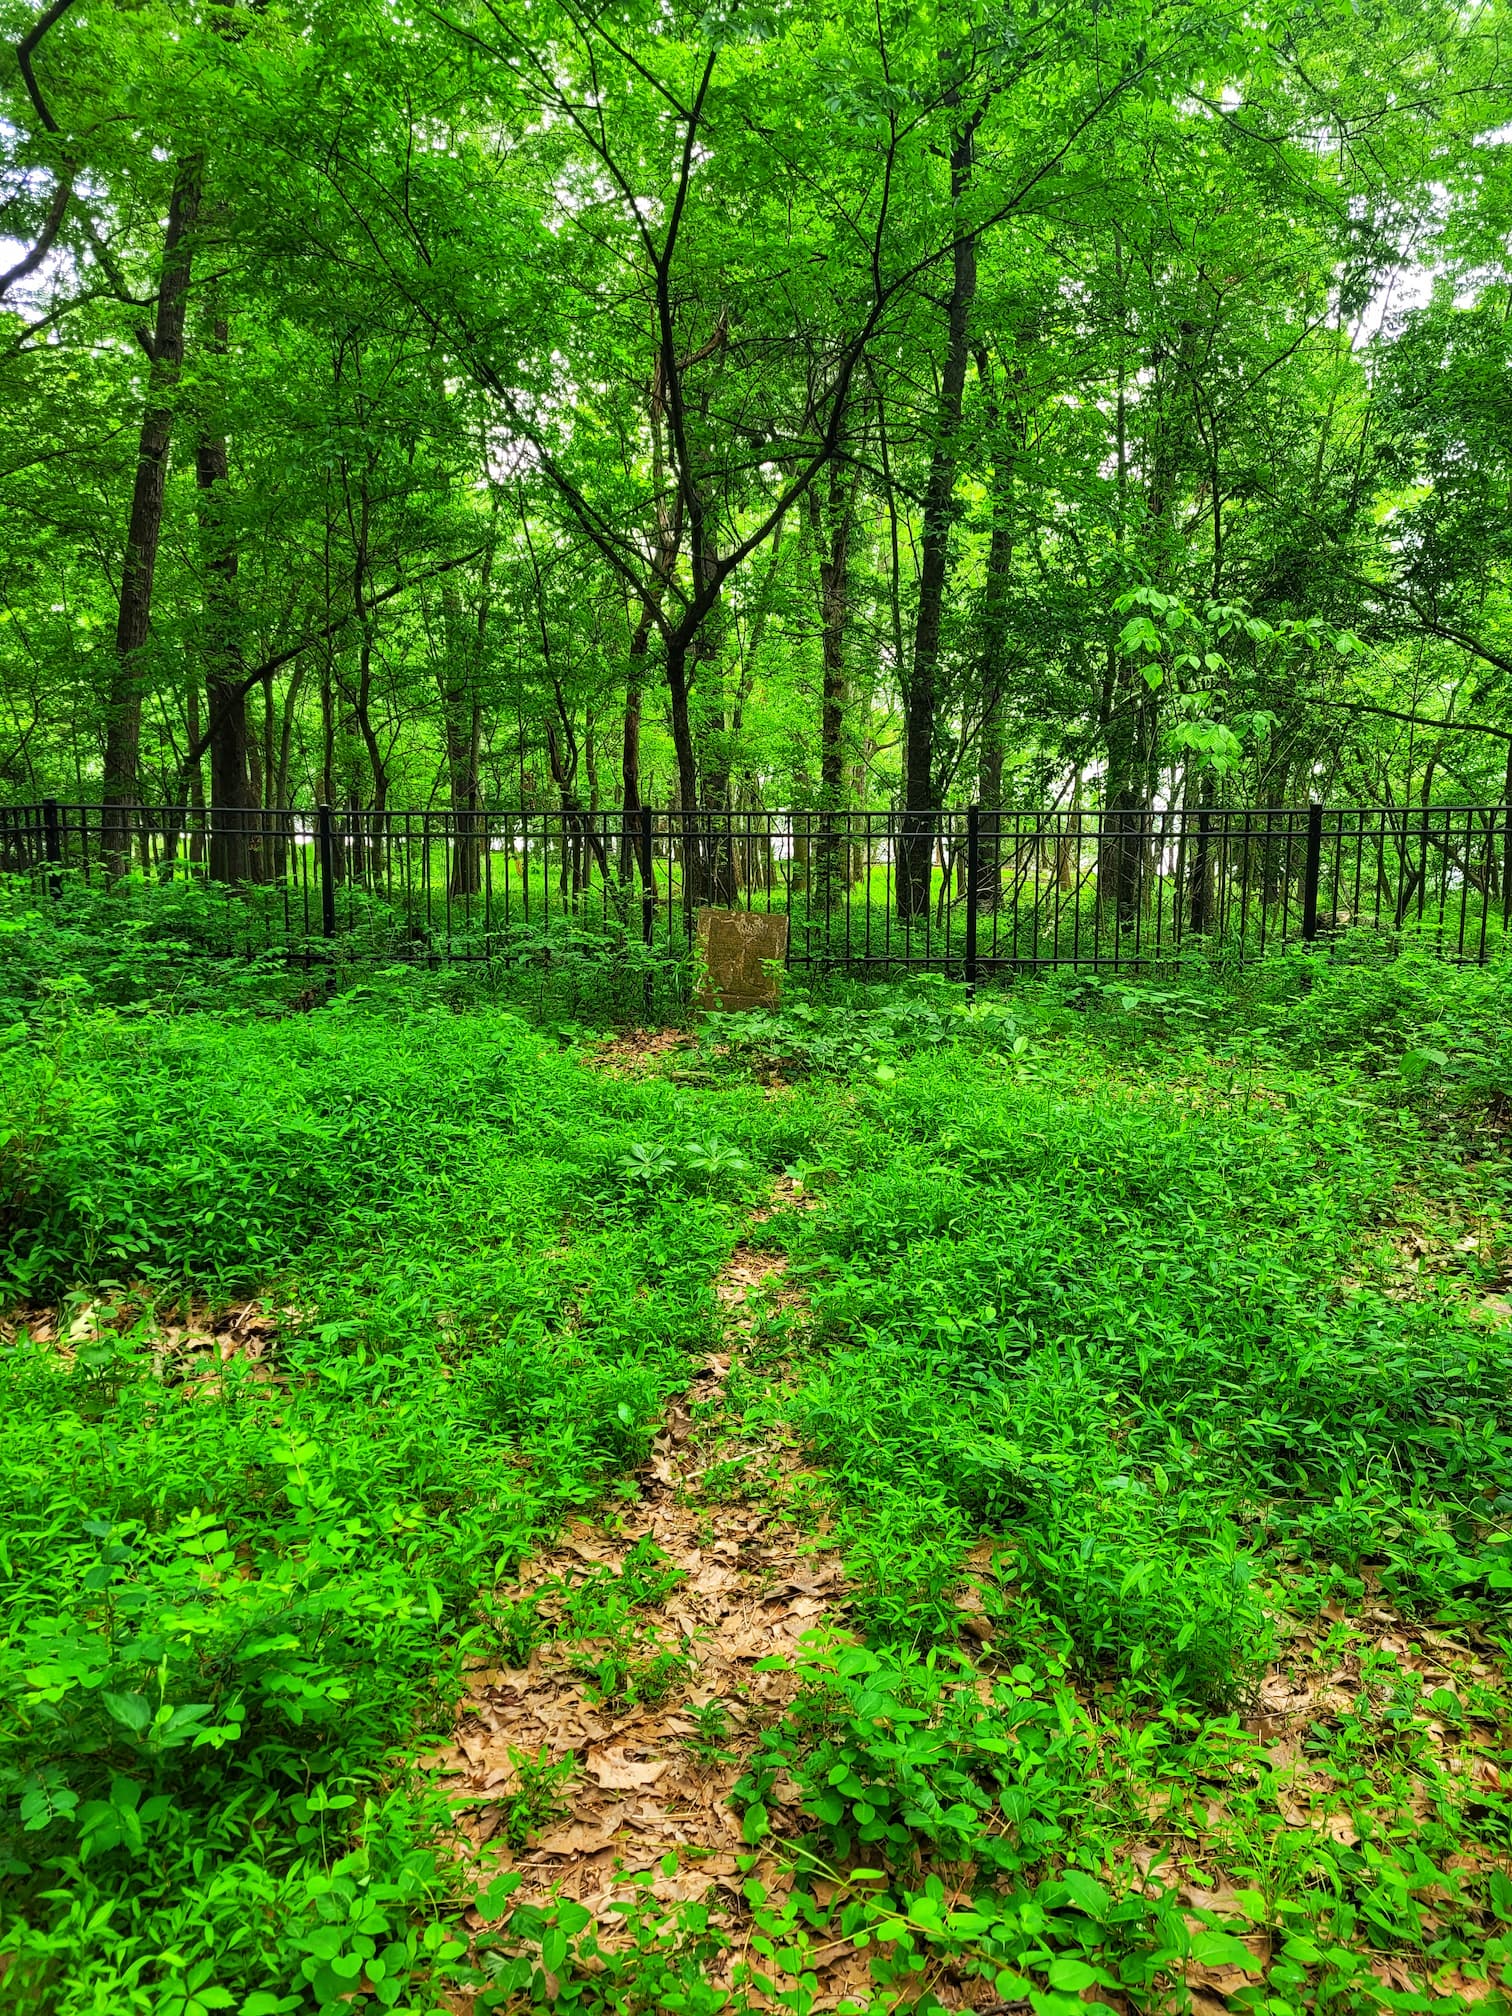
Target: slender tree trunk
x: 278, y: 861
x: 707, y: 661
x: 832, y: 541
x: 994, y: 655
x: 462, y: 729
x: 630, y: 750
x: 669, y: 536
x: 123, y: 721
x: 363, y: 715
x: 1199, y: 799
x: 921, y: 689
x: 231, y: 799
x: 630, y: 734
x: 682, y: 727
x: 1126, y: 817
x: 255, y: 782
x: 195, y: 779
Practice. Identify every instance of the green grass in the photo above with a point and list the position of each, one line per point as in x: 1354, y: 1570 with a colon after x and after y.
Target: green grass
x: 1147, y: 1314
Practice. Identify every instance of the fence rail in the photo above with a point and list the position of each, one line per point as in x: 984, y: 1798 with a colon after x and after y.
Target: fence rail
x: 970, y: 891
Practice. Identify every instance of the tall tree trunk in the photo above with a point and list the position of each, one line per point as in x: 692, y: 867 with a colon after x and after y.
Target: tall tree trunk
x: 921, y: 688
x: 277, y: 864
x: 232, y: 810
x: 123, y: 719
x: 682, y: 732
x: 196, y: 778
x: 630, y: 749
x: 362, y: 712
x: 669, y: 523
x: 832, y: 541
x: 462, y: 730
x: 1132, y: 742
x: 994, y: 654
x: 1200, y: 892
x: 706, y: 657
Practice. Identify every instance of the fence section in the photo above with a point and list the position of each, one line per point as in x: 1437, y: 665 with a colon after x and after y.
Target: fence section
x: 969, y: 891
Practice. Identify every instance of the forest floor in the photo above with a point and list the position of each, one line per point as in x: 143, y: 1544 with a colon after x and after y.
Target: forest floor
x: 900, y: 1503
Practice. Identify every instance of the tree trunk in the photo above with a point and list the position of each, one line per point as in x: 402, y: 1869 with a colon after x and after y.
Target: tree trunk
x: 630, y: 754
x: 716, y: 880
x: 195, y: 780
x: 921, y: 688
x: 462, y: 729
x: 123, y: 717
x: 832, y: 541
x: 687, y: 764
x: 1132, y: 733
x: 231, y: 803
x: 994, y: 654
x: 277, y: 865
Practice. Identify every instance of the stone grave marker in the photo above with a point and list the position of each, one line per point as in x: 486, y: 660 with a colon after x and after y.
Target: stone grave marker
x: 734, y: 947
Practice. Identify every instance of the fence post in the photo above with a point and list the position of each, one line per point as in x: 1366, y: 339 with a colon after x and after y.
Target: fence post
x: 973, y: 877
x: 52, y: 847
x: 1310, y: 871
x: 645, y: 861
x: 326, y: 856
x: 643, y: 816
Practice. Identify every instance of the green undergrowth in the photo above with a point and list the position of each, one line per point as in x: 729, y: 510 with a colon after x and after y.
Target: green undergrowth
x: 1119, y: 1336
x: 1152, y: 1339
x: 239, y: 1596
x: 188, y: 946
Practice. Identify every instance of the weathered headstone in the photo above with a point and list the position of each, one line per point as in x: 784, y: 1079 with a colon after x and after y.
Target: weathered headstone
x: 736, y: 951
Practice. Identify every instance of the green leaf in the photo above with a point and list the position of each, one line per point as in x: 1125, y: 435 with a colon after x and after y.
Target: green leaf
x: 1214, y: 1948
x: 1086, y: 1894
x: 1071, y: 1975
x: 490, y: 1903
x: 132, y: 1711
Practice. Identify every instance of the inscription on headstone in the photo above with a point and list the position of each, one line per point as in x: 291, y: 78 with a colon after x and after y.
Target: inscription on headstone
x: 736, y: 948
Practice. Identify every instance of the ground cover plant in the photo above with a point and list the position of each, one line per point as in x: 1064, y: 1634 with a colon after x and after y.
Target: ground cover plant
x: 1143, y: 1349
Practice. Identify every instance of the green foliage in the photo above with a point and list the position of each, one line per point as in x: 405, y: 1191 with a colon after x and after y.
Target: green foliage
x: 237, y: 1590
x: 898, y: 1757
x: 1109, y: 1353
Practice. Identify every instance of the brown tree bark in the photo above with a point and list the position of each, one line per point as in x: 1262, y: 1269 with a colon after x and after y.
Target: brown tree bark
x: 194, y: 777
x: 462, y: 729
x: 232, y: 807
x: 165, y: 350
x: 831, y: 520
x: 994, y: 655
x: 921, y: 687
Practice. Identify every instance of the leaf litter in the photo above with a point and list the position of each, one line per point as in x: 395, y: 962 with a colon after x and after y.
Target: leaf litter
x: 645, y: 1780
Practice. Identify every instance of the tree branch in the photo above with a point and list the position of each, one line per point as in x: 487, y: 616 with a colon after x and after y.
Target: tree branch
x: 1418, y: 720
x: 24, y: 49
x: 51, y: 226
x: 237, y: 693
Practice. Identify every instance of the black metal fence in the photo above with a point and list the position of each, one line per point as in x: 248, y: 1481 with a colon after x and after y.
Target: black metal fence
x: 968, y: 891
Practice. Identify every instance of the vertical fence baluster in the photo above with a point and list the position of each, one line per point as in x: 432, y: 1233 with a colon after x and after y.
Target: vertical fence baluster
x: 52, y: 847
x: 643, y: 820
x: 973, y: 876
x: 1311, y: 864
x: 325, y: 854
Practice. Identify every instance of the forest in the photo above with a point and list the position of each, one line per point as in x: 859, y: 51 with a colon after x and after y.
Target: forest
x: 977, y: 1475
x: 504, y: 408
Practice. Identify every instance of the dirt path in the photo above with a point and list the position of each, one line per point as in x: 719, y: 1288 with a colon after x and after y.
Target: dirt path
x: 636, y: 1715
